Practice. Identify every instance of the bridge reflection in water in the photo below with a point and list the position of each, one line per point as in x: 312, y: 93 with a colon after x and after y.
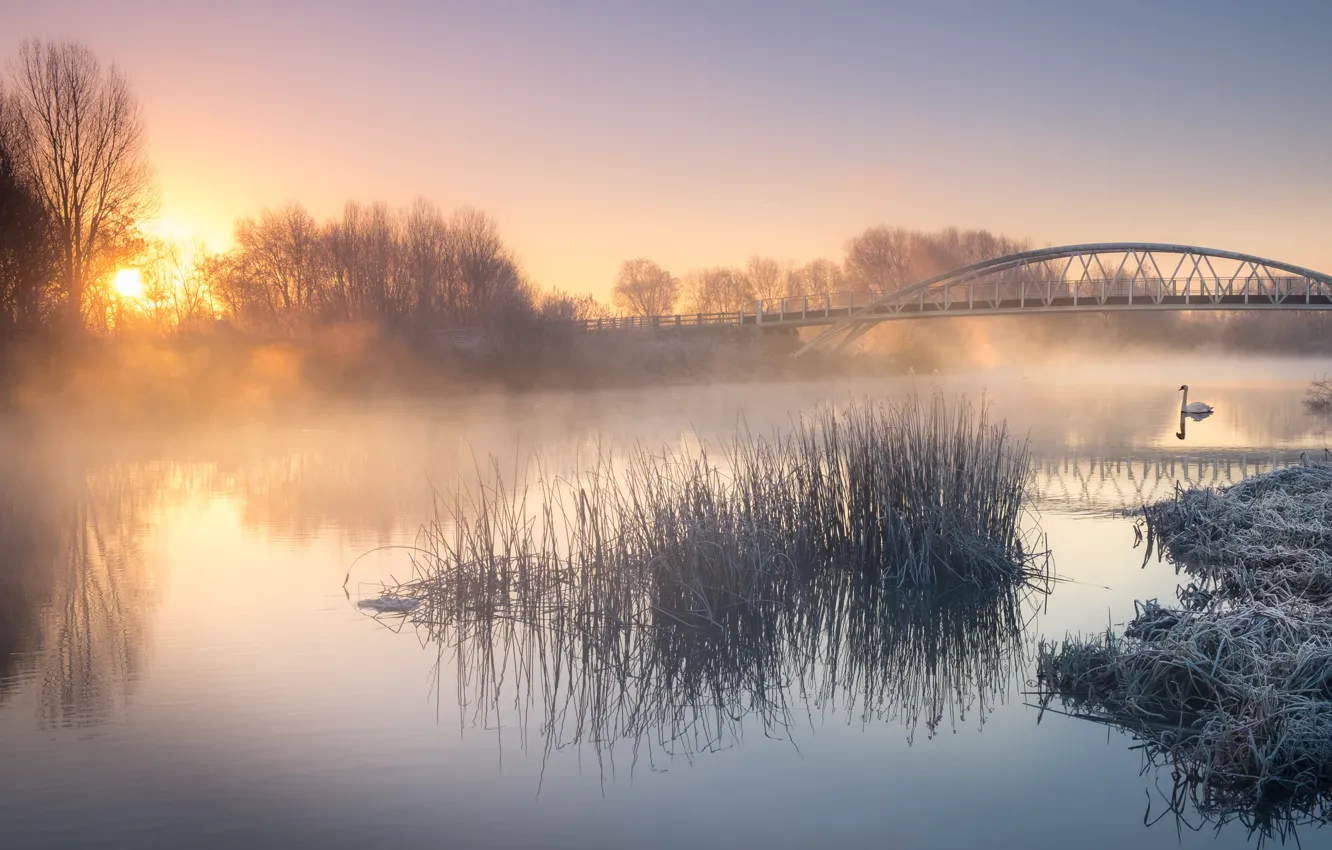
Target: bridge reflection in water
x: 1114, y: 480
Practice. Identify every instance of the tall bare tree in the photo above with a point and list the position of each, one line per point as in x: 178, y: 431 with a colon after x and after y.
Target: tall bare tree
x: 880, y: 258
x: 277, y: 271
x: 364, y: 257
x: 769, y: 278
x: 817, y: 277
x: 485, y: 271
x: 427, y: 266
x: 81, y: 139
x: 644, y: 288
x: 719, y: 290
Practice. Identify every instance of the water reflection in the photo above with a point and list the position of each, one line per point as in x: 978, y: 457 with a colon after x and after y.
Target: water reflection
x: 663, y: 689
x: 1185, y: 417
x: 260, y: 673
x: 1111, y: 481
x: 1192, y: 801
x: 78, y: 593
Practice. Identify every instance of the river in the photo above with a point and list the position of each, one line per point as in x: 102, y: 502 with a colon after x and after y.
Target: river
x: 181, y: 664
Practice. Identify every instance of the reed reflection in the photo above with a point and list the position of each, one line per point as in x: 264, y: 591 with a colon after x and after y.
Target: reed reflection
x: 664, y: 688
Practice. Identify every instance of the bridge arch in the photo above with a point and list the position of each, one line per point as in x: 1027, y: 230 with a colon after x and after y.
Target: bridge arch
x: 1098, y: 276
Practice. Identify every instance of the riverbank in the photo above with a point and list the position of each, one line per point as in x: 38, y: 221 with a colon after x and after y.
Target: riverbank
x: 1233, y: 685
x: 220, y: 375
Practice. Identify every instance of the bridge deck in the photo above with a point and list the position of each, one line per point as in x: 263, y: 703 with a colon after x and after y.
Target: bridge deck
x: 1085, y: 278
x: 1001, y: 298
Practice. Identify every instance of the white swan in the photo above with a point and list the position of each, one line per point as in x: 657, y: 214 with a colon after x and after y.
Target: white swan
x: 1195, y: 407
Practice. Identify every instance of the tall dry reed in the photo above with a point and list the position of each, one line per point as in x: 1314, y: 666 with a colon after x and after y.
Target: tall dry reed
x: 873, y: 556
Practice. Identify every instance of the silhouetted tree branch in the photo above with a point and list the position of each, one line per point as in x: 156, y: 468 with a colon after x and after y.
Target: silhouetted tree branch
x: 81, y: 146
x: 27, y: 249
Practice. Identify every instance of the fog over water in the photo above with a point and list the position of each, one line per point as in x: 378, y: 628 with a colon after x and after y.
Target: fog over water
x: 180, y: 664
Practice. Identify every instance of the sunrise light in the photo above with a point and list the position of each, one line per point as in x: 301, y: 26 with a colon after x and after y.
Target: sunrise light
x: 666, y: 423
x: 128, y: 283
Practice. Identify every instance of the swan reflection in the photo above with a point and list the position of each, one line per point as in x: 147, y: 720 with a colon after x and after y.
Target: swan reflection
x: 1185, y: 416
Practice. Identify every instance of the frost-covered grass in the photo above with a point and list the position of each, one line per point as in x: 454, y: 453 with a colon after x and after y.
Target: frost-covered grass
x: 1232, y: 686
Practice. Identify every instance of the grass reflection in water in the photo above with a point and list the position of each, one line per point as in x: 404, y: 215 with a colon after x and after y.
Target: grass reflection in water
x: 872, y: 560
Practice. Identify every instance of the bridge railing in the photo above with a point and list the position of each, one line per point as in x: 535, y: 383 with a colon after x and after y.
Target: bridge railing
x: 615, y: 323
x: 993, y: 293
x: 766, y: 311
x: 804, y: 307
x: 1001, y: 291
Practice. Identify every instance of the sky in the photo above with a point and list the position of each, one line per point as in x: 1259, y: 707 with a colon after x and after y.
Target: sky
x: 699, y: 133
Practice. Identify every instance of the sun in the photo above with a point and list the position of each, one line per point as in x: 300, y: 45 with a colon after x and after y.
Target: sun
x: 128, y: 283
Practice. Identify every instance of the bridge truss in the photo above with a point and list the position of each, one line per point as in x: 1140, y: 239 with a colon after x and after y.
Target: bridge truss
x: 1097, y: 277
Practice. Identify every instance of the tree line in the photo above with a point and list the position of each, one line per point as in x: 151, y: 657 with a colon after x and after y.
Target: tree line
x: 407, y: 270
x: 76, y: 190
x: 880, y: 259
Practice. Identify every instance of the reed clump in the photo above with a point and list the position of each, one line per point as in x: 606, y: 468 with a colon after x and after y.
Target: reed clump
x: 922, y: 494
x: 1233, y: 685
x: 662, y: 596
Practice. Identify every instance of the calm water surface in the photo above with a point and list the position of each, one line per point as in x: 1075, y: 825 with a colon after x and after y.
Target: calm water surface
x: 181, y: 666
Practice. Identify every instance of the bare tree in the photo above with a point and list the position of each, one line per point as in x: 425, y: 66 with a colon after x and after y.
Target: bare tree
x: 364, y: 257
x: 486, y: 273
x: 194, y: 298
x: 880, y: 259
x: 817, y: 277
x: 276, y: 275
x: 402, y: 270
x: 951, y: 248
x: 644, y: 288
x: 81, y: 139
x: 769, y: 278
x: 427, y: 266
x: 176, y: 290
x: 719, y: 290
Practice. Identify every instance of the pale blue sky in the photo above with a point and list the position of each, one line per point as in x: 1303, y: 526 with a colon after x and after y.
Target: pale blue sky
x: 701, y: 132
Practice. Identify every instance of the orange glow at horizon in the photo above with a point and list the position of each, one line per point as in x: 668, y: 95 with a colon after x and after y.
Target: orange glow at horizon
x: 609, y: 143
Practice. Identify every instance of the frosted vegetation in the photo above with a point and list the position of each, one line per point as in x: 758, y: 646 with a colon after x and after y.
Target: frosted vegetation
x: 874, y: 557
x: 1232, y: 686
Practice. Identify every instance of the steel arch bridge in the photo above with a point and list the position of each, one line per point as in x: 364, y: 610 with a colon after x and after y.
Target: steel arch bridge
x: 1095, y: 277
